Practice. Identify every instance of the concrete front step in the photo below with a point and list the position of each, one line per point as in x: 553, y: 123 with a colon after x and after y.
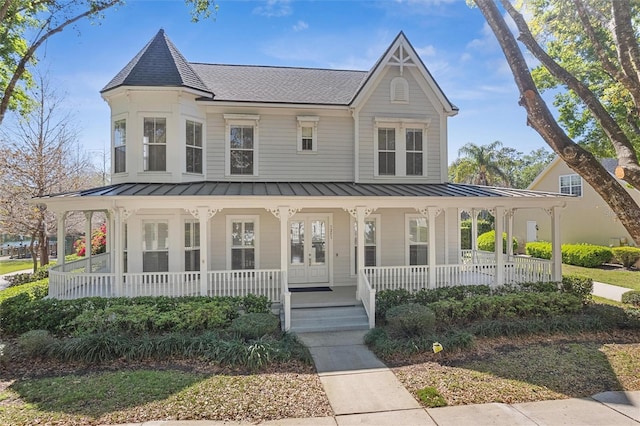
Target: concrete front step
x: 334, y: 318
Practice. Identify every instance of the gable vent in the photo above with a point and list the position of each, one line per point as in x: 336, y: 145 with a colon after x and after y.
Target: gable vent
x: 399, y: 90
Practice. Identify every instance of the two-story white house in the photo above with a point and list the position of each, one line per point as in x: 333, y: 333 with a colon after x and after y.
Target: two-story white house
x: 234, y: 179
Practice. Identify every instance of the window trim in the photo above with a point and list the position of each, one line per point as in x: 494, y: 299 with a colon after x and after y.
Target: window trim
x: 146, y: 144
x: 116, y: 120
x: 256, y: 231
x: 570, y: 185
x: 195, y: 243
x: 312, y: 122
x: 188, y: 146
x: 241, y: 120
x: 407, y: 243
x: 401, y: 125
x: 352, y: 226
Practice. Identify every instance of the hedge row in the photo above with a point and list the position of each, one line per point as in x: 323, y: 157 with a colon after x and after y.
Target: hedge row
x: 22, y: 312
x: 586, y: 255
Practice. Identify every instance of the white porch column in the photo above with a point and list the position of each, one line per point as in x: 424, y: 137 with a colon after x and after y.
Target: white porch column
x: 556, y: 245
x: 499, y: 228
x: 431, y: 246
x: 117, y: 252
x: 474, y: 235
x: 87, y: 238
x: 61, y: 237
x: 446, y: 235
x: 361, y: 213
x: 510, y: 213
x: 109, y: 248
x: 284, y: 213
x: 203, y: 217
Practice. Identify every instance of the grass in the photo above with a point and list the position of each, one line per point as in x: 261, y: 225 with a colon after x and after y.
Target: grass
x: 620, y: 277
x: 145, y: 395
x: 7, y: 266
x: 533, y: 369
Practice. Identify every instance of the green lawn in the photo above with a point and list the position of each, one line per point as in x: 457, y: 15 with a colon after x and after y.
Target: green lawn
x: 619, y: 277
x: 7, y: 266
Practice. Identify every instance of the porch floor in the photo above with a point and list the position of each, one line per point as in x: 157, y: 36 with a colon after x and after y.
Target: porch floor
x: 339, y: 296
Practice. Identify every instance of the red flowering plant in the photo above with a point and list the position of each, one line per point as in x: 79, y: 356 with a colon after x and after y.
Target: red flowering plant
x: 98, y: 242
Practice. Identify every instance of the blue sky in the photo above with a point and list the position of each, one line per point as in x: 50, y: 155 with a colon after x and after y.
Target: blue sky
x: 452, y: 39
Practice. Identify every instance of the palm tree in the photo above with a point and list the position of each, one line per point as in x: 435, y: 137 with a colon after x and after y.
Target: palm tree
x: 480, y: 165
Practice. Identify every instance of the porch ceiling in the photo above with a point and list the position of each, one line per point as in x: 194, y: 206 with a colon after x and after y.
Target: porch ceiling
x: 305, y: 189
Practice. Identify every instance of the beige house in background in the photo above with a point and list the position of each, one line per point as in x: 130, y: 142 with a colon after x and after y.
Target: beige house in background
x: 585, y: 219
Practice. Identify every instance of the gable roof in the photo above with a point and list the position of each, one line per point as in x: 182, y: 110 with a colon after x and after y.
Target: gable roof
x: 159, y: 63
x: 609, y: 164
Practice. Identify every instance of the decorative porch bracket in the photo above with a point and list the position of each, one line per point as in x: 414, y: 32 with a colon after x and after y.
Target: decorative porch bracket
x: 203, y: 214
x: 431, y: 212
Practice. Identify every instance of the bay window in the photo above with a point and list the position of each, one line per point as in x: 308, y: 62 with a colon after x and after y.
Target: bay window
x: 155, y: 144
x: 120, y: 146
x: 193, y: 141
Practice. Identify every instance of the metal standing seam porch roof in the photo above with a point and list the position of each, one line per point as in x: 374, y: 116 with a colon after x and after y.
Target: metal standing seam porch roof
x: 304, y: 189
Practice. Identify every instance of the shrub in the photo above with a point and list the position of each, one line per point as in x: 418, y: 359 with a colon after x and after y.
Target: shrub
x: 426, y: 296
x: 578, y: 285
x: 487, y: 242
x: 256, y: 304
x: 585, y: 255
x: 626, y: 256
x: 430, y: 397
x: 255, y: 325
x: 631, y: 297
x: 19, y: 279
x: 539, y: 249
x: 387, y: 299
x: 35, y: 290
x: 36, y: 343
x: 410, y: 320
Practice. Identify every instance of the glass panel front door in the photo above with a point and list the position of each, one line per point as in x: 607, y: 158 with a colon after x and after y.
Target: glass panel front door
x: 308, y: 255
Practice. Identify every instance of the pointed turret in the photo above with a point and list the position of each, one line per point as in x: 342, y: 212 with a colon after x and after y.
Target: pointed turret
x: 160, y: 64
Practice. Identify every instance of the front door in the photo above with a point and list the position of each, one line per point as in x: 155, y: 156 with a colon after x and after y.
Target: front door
x: 309, y: 249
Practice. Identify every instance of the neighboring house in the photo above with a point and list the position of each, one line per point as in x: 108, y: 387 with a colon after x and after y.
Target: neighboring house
x: 230, y: 179
x: 585, y: 219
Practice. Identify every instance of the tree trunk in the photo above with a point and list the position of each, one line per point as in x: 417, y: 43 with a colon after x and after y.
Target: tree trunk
x: 44, y: 247
x: 540, y: 118
x: 32, y: 250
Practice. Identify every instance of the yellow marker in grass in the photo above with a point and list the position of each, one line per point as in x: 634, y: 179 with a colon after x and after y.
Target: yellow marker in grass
x: 437, y: 347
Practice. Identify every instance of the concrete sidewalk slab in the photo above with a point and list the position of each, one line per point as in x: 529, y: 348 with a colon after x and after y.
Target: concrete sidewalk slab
x: 573, y: 411
x: 388, y: 418
x: 366, y: 392
x: 608, y: 291
x: 333, y: 338
x: 627, y: 403
x: 339, y: 359
x: 494, y: 414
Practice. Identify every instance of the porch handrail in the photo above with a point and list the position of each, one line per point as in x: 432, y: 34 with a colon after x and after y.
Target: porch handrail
x: 261, y: 282
x: 173, y: 284
x: 367, y: 294
x: 99, y: 263
x: 75, y: 285
x: 412, y: 278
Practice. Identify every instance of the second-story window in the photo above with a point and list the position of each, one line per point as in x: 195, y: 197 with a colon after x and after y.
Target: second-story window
x: 414, y: 152
x: 194, y: 147
x: 307, y: 134
x: 387, y: 151
x: 571, y: 184
x: 155, y: 144
x: 120, y: 146
x: 241, y: 144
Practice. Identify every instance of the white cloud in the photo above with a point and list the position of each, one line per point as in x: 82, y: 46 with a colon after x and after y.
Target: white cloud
x: 426, y: 51
x: 300, y: 26
x: 274, y: 9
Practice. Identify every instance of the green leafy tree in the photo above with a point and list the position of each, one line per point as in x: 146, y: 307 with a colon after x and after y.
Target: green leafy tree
x: 480, y: 165
x: 26, y: 24
x: 604, y: 36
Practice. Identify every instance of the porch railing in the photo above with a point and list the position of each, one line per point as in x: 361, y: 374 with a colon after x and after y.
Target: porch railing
x: 261, y: 282
x: 367, y: 294
x: 171, y: 284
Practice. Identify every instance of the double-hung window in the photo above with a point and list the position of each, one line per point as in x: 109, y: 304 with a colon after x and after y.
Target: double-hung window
x: 417, y: 240
x: 241, y: 144
x: 243, y: 242
x: 193, y: 141
x: 371, y: 241
x: 399, y: 147
x: 155, y: 144
x: 571, y: 184
x: 192, y: 245
x: 307, y: 134
x: 155, y: 246
x: 120, y: 146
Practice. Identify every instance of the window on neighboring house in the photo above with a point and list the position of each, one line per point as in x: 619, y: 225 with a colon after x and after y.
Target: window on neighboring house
x: 192, y: 245
x: 414, y: 152
x: 155, y: 144
x: 243, y: 242
x: 371, y: 242
x: 120, y: 146
x: 307, y: 134
x: 194, y: 147
x: 407, y: 156
x: 155, y: 246
x: 386, y: 152
x: 571, y: 184
x: 417, y: 240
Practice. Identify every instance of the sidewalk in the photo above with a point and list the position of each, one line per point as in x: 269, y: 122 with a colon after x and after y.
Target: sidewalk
x: 363, y: 391
x: 609, y: 291
x: 4, y: 283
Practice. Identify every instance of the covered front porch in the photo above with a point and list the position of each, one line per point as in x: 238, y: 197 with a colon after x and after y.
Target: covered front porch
x: 268, y: 244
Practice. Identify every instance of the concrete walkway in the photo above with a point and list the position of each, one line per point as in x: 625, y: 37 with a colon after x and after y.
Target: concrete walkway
x: 4, y: 283
x: 608, y: 291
